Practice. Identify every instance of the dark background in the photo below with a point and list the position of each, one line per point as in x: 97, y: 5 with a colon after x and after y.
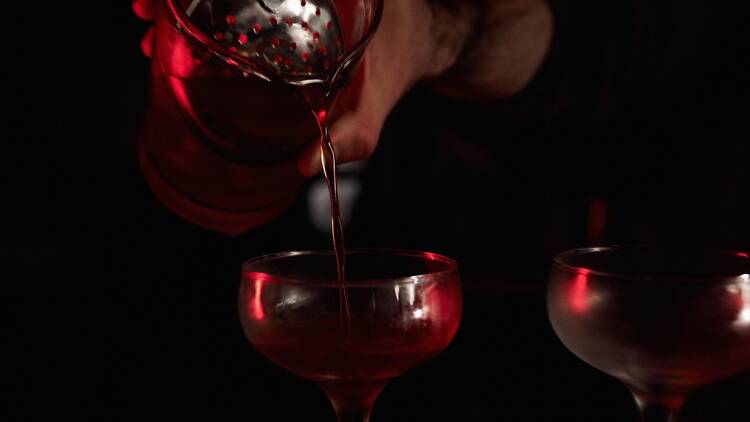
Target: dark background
x: 122, y: 311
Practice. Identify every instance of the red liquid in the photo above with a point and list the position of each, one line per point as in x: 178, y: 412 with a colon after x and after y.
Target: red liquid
x: 217, y: 147
x: 373, y: 353
x: 352, y: 364
x: 392, y: 328
x: 328, y: 160
x: 319, y: 103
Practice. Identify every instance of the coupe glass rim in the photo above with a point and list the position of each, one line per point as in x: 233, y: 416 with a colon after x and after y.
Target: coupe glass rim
x: 560, y: 260
x: 433, y: 276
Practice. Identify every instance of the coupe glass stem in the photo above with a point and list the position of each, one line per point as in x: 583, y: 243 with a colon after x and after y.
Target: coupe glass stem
x: 657, y: 409
x: 353, y: 414
x: 353, y: 401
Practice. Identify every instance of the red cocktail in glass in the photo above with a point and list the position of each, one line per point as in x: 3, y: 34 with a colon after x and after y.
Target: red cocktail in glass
x: 403, y: 309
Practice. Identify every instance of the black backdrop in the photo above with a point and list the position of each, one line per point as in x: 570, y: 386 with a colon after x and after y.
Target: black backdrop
x: 121, y: 311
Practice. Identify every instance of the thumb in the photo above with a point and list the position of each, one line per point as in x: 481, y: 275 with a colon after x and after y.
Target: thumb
x: 353, y: 137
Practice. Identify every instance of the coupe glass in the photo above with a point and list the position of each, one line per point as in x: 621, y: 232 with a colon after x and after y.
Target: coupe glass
x: 661, y: 320
x: 397, y: 309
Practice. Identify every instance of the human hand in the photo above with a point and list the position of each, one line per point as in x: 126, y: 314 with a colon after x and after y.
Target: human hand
x: 426, y: 40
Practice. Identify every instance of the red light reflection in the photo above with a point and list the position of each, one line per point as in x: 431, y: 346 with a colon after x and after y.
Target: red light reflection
x: 255, y: 304
x: 181, y: 65
x: 579, y: 292
x: 181, y: 60
x: 431, y: 256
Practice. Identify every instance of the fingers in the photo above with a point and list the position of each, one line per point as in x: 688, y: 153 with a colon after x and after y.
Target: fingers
x: 147, y: 42
x: 144, y: 9
x: 354, y: 138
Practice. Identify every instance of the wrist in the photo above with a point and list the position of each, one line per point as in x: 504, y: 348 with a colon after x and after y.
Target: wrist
x: 452, y: 25
x: 486, y: 50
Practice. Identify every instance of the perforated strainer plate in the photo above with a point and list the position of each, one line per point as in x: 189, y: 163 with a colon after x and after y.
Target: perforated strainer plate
x: 293, y: 38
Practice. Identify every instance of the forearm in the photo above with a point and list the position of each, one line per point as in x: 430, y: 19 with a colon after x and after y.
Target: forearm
x: 486, y: 49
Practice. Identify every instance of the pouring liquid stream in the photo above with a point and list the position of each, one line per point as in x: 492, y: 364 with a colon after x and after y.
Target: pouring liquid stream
x: 297, y: 45
x: 320, y: 110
